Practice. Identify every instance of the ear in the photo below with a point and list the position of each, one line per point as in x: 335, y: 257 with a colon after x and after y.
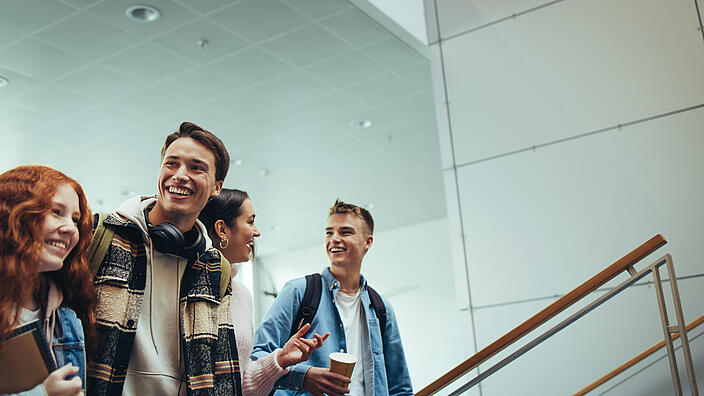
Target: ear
x: 368, y: 242
x: 218, y: 188
x: 220, y: 229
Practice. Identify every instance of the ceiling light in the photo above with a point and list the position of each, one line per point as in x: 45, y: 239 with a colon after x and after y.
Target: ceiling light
x: 264, y: 172
x: 143, y: 13
x: 370, y: 206
x: 237, y: 162
x: 361, y: 124
x: 4, y: 82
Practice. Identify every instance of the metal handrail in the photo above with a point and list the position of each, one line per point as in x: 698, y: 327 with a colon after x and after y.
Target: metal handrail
x: 639, y: 357
x: 623, y: 264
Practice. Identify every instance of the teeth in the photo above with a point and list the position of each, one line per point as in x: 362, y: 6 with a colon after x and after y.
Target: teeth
x: 179, y: 191
x: 58, y: 244
x: 336, y: 250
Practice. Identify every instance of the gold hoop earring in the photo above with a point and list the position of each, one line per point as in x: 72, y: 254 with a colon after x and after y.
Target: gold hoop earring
x: 227, y: 242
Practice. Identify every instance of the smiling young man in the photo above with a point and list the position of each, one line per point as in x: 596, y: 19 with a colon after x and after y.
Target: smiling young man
x: 163, y: 326
x: 346, y: 311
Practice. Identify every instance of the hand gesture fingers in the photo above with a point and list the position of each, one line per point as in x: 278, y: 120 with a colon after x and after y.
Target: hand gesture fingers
x: 56, y: 384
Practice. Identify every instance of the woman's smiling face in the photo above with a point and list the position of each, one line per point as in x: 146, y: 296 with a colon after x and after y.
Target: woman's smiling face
x: 60, y: 229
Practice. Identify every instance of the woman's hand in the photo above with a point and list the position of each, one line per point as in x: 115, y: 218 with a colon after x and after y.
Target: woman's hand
x: 299, y: 349
x: 56, y: 383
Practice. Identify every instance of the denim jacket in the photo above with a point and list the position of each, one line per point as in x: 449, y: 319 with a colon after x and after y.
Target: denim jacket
x: 385, y: 370
x: 68, y: 344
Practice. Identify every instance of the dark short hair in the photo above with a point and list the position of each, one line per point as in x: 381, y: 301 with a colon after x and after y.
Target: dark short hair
x: 340, y: 207
x: 226, y: 207
x: 207, y: 139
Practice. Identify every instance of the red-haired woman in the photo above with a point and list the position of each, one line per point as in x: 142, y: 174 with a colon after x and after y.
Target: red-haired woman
x: 45, y: 229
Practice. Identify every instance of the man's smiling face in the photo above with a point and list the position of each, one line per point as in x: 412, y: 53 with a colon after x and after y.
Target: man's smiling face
x: 186, y: 179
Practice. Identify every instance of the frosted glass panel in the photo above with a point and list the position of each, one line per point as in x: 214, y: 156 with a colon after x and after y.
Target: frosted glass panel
x: 568, y: 69
x: 540, y: 223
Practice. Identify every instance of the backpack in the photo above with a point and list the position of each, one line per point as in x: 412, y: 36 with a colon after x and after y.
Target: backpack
x: 102, y: 238
x: 311, y: 300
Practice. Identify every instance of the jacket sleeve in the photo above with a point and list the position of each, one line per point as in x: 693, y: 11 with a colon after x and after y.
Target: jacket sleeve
x: 275, y: 329
x: 38, y: 390
x: 399, y: 380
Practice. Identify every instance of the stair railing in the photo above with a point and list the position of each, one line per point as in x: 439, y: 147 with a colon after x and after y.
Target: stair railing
x: 624, y: 264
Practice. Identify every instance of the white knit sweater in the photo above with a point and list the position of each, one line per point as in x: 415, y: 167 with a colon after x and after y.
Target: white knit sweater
x: 259, y: 376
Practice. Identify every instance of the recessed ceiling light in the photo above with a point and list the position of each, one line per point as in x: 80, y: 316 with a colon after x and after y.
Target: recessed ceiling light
x: 264, y: 172
x: 237, y: 162
x: 143, y: 13
x: 361, y: 124
x: 4, y: 82
x: 370, y: 206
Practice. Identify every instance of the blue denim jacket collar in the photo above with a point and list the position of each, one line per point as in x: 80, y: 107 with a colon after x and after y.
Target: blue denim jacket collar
x: 333, y: 284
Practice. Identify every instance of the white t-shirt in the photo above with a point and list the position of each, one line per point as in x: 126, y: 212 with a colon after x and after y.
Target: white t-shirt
x: 27, y: 316
x: 355, y: 325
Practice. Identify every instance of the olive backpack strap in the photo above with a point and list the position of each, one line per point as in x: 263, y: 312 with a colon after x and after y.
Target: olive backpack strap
x: 99, y: 245
x: 379, y: 308
x: 224, y: 275
x: 309, y: 304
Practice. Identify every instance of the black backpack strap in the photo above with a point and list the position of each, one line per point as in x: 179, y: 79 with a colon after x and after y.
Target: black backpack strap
x: 379, y: 308
x: 309, y: 304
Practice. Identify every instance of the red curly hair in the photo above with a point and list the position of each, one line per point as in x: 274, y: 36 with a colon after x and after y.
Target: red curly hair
x: 25, y: 200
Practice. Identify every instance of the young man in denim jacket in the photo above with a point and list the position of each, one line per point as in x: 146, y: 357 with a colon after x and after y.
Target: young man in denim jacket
x: 346, y: 312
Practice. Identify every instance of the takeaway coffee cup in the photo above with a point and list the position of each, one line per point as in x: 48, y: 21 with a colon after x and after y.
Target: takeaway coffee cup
x: 342, y: 363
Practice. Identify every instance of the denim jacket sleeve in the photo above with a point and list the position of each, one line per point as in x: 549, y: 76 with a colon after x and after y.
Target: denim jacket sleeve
x: 38, y: 390
x: 399, y: 380
x: 274, y: 331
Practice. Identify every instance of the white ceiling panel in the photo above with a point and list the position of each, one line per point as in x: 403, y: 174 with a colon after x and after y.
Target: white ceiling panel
x: 18, y: 83
x: 355, y: 28
x: 205, y: 6
x: 258, y: 20
x: 316, y: 9
x: 201, y: 40
x: 243, y: 105
x: 393, y: 54
x: 418, y: 75
x: 81, y: 3
x: 306, y: 46
x: 274, y: 124
x: 380, y: 90
x: 148, y: 63
x: 18, y: 120
x: 19, y: 16
x: 152, y: 103
x: 337, y: 71
x: 84, y: 35
x: 8, y: 35
x: 250, y: 66
x: 173, y: 15
x: 106, y: 119
x: 330, y: 107
x: 95, y: 94
x: 52, y: 100
x: 99, y: 82
x: 199, y: 85
x: 38, y: 60
x: 293, y: 88
x: 408, y: 108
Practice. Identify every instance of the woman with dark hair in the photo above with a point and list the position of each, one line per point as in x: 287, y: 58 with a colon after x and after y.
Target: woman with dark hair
x: 45, y: 229
x: 229, y: 219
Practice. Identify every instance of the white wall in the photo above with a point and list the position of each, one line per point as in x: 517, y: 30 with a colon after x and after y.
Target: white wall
x: 574, y: 131
x: 411, y: 267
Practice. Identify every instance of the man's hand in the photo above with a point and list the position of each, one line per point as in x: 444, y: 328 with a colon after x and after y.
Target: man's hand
x: 299, y: 349
x: 56, y: 383
x: 320, y: 380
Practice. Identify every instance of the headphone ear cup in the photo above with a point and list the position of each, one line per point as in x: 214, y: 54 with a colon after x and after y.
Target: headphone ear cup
x: 198, y: 245
x: 167, y: 238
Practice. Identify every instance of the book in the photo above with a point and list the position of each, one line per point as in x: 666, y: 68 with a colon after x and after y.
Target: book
x: 25, y: 359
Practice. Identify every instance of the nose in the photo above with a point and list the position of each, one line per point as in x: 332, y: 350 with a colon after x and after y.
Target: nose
x: 181, y: 174
x: 68, y: 227
x: 256, y: 232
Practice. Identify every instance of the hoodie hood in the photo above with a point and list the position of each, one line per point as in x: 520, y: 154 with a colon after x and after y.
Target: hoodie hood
x: 133, y: 210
